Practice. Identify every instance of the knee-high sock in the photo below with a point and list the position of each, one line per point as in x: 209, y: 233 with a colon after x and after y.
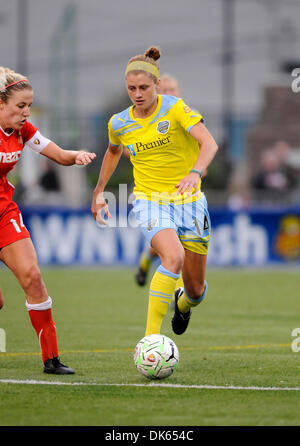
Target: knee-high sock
x: 179, y: 282
x: 185, y: 303
x: 41, y: 320
x: 160, y: 295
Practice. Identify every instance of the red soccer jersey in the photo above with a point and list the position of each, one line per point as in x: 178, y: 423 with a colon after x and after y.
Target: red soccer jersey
x: 11, y: 146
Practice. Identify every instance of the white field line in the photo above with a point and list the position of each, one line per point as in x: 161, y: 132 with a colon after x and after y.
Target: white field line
x: 174, y: 386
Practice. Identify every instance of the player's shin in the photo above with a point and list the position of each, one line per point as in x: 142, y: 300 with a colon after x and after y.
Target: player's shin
x: 41, y: 320
x: 160, y: 295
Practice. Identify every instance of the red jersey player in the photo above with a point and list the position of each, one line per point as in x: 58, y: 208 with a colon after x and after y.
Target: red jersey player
x: 16, y: 248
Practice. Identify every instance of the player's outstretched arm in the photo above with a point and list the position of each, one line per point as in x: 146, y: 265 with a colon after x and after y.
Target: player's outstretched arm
x: 109, y: 164
x: 67, y: 157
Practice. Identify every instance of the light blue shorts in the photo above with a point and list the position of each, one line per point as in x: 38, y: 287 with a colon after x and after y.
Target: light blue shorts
x: 191, y: 221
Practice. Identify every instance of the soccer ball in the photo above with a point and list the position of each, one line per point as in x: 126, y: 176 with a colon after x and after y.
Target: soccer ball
x: 156, y: 356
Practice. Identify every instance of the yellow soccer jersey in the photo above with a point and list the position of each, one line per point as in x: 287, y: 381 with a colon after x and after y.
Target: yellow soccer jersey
x: 161, y: 148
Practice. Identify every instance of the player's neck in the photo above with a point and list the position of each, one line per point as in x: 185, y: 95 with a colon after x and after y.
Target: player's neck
x: 6, y: 130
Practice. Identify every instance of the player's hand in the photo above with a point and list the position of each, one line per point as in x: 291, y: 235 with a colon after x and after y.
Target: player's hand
x: 99, y: 208
x: 188, y: 183
x: 83, y: 158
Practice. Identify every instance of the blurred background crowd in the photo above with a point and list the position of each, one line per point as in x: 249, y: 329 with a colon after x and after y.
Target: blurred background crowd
x: 233, y: 59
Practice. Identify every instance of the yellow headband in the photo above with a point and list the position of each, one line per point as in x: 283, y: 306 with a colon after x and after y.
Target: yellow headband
x: 144, y: 66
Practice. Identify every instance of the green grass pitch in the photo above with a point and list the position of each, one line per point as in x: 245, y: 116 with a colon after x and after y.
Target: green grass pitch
x: 239, y: 337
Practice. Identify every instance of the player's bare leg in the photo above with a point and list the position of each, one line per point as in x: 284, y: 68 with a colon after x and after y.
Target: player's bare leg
x: 193, y: 273
x: 20, y: 257
x: 167, y: 245
x: 195, y: 286
x: 1, y: 299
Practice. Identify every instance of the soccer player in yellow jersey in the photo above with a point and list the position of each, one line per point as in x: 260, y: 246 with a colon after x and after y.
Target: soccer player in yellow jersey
x: 169, y: 148
x: 167, y: 85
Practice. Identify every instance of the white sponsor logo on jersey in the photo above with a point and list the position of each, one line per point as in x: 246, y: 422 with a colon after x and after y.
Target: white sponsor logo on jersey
x: 10, y: 157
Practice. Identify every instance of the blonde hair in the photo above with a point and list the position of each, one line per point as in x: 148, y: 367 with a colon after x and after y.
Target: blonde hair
x: 150, y: 56
x: 11, y: 81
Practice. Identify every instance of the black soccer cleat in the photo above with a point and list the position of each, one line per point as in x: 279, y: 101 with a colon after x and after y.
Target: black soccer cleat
x: 54, y: 366
x: 141, y: 277
x: 180, y: 320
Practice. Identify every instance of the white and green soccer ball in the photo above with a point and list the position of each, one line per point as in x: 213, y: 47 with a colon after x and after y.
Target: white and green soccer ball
x: 156, y: 356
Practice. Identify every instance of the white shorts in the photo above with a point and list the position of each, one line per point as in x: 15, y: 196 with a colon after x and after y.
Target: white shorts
x: 191, y: 221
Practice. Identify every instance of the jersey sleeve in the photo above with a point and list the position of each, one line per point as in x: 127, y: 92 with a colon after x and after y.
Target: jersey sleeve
x: 113, y: 139
x: 32, y: 138
x: 28, y: 130
x: 38, y: 142
x: 186, y: 116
